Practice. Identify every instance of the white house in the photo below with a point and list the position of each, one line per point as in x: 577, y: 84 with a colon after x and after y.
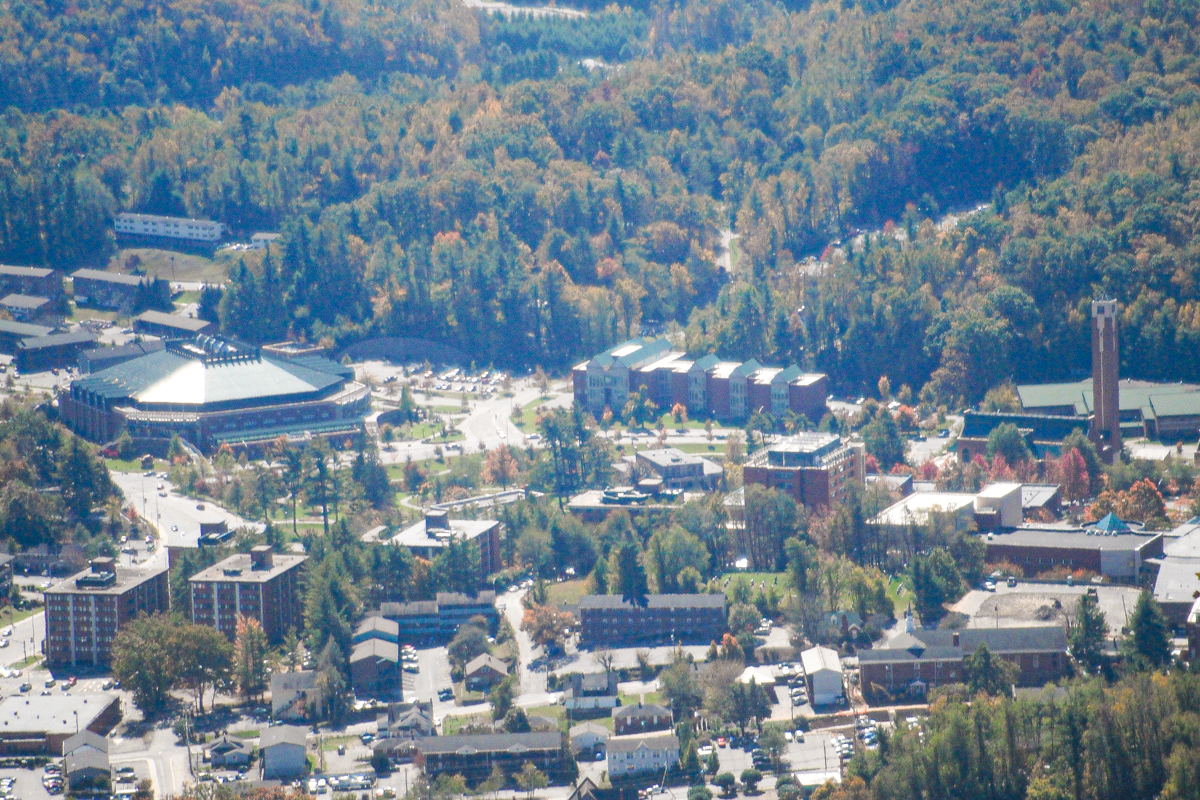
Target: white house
x: 631, y: 755
x: 823, y: 672
x: 283, y: 752
x: 588, y: 736
x: 295, y: 695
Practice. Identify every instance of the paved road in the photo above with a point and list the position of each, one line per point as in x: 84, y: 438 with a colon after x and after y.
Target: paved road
x: 177, y: 518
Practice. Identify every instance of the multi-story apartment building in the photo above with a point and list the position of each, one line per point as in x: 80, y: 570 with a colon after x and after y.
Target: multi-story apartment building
x: 814, y: 468
x: 260, y: 584
x: 197, y: 230
x: 429, y: 536
x: 706, y: 386
x: 31, y: 280
x: 643, y: 753
x: 607, y: 619
x: 111, y: 290
x: 84, y: 612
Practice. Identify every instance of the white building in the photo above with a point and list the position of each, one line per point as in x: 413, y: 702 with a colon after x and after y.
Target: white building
x: 823, y: 672
x: 260, y: 241
x: 631, y: 755
x: 284, y: 754
x: 198, y: 230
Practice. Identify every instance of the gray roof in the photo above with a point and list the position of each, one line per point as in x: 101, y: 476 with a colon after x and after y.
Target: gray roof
x: 79, y: 760
x: 485, y: 660
x: 293, y: 681
x: 376, y: 648
x: 108, y: 277
x: 1177, y: 580
x: 173, y: 321
x: 926, y: 645
x: 668, y: 456
x: 85, y: 738
x: 171, y: 379
x: 378, y: 623
x: 238, y: 569
x: 283, y: 734
x: 1037, y: 495
x: 25, y: 272
x: 417, y: 608
x: 590, y: 727
x: 418, y: 534
x: 716, y: 600
x: 51, y: 714
x: 23, y: 301
x: 648, y: 710
x: 490, y: 742
x: 131, y: 350
x: 23, y: 329
x: 1033, y: 536
x: 652, y: 741
x: 127, y: 578
x: 58, y: 340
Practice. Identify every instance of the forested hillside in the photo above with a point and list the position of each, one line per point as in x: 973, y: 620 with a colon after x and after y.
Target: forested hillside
x: 464, y: 178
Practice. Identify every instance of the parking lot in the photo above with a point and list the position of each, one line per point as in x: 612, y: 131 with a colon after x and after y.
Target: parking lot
x: 1042, y: 603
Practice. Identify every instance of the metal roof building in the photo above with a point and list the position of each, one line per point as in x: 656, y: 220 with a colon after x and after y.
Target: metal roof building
x: 211, y: 392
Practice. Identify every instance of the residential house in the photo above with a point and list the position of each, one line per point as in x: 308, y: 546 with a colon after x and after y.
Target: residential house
x: 640, y: 754
x: 87, y: 771
x: 474, y: 755
x: 377, y: 627
x: 591, y: 691
x: 284, y: 752
x: 375, y: 668
x: 483, y: 672
x: 296, y: 696
x: 641, y: 718
x: 589, y: 737
x: 226, y: 753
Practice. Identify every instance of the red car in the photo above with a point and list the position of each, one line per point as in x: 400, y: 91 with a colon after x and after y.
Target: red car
x: 721, y: 741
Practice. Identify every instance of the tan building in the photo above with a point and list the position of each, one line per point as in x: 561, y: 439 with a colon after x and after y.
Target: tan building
x: 84, y: 612
x: 816, y: 469
x: 260, y: 584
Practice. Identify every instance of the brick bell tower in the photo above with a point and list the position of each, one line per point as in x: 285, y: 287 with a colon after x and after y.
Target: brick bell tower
x: 1105, y: 431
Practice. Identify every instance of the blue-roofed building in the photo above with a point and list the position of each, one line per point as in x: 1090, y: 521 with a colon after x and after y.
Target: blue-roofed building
x: 211, y: 392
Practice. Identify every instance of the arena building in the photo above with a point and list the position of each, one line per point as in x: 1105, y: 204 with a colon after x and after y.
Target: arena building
x: 212, y: 392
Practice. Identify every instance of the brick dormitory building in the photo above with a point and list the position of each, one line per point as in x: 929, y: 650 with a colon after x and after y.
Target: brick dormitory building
x: 913, y: 662
x: 84, y: 612
x: 260, y: 584
x: 706, y: 386
x: 607, y: 619
x: 814, y: 468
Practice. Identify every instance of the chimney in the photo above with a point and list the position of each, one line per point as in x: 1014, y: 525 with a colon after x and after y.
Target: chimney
x: 103, y: 564
x: 261, y: 557
x: 1105, y: 431
x: 437, y: 519
x: 954, y: 639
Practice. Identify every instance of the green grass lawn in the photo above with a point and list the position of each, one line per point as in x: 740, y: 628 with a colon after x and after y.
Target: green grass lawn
x: 252, y: 734
x: 456, y: 722
x: 183, y: 298
x: 331, y: 743
x: 715, y: 450
x: 900, y: 593
x: 650, y: 698
x: 176, y: 266
x: 566, y: 593
x: 80, y: 314
x: 120, y: 465
x: 778, y: 580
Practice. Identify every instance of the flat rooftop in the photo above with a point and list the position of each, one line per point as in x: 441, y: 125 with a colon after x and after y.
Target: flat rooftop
x: 26, y: 301
x: 1177, y: 580
x: 1037, y: 536
x: 654, y: 601
x: 668, y: 456
x: 420, y: 534
x: 239, y: 569
x: 917, y: 508
x: 93, y: 582
x: 172, y: 321
x: 53, y: 713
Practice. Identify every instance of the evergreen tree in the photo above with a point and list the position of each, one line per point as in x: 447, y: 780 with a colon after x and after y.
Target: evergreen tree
x: 1150, y: 643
